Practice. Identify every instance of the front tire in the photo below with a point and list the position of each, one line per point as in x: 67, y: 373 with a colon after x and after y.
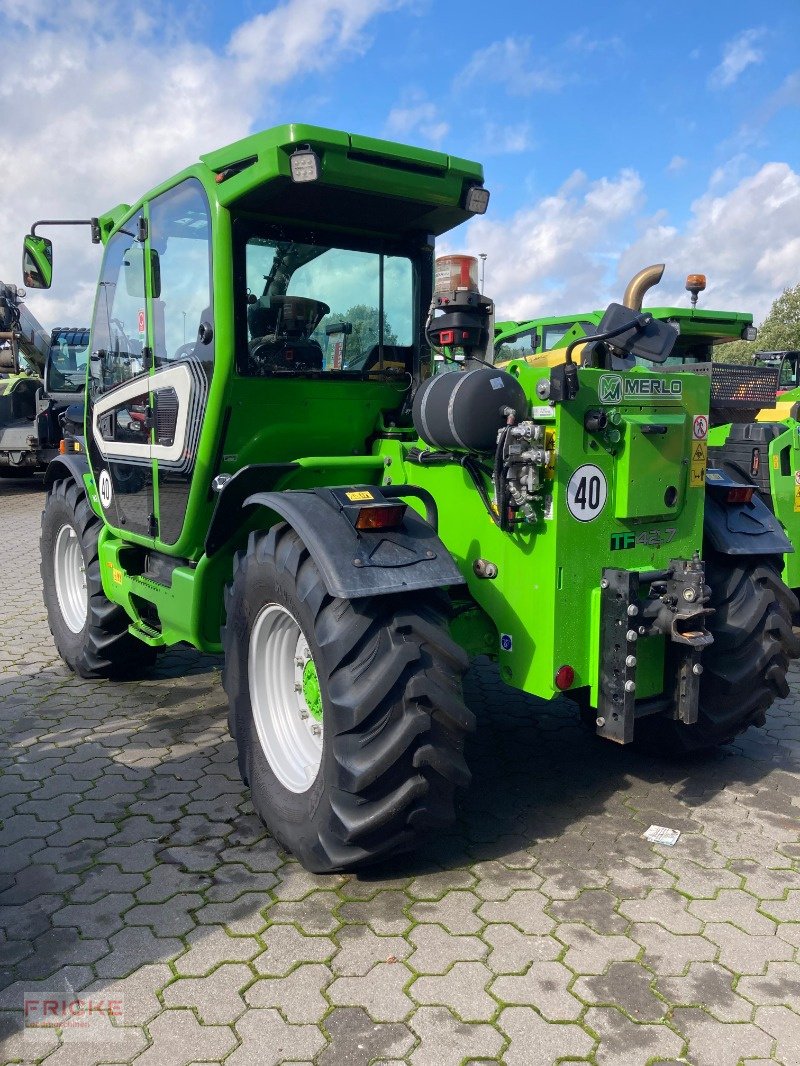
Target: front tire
x: 744, y: 670
x: 90, y: 632
x: 353, y: 757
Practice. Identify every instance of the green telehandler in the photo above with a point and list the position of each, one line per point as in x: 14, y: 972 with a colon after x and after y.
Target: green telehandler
x: 350, y: 528
x: 42, y: 377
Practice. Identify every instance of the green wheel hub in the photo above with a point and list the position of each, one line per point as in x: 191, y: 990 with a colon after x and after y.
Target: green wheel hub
x: 311, y: 692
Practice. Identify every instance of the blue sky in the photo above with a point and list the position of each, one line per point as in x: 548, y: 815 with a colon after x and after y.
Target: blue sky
x: 612, y: 134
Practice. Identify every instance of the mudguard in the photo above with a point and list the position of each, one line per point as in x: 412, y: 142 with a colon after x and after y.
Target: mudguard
x: 356, y: 563
x: 740, y: 528
x: 73, y: 464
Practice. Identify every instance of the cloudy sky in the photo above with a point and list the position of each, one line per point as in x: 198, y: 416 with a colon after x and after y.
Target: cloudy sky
x: 612, y: 135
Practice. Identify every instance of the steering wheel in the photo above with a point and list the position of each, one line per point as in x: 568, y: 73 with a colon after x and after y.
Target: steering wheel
x: 183, y: 351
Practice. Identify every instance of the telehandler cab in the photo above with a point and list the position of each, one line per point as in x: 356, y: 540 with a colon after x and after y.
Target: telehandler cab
x: 350, y: 528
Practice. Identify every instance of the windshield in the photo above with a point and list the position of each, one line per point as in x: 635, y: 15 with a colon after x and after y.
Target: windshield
x: 69, y: 351
x: 789, y: 373
x: 318, y: 308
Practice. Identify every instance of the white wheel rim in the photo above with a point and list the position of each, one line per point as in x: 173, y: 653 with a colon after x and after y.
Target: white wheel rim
x: 289, y: 732
x: 70, y: 578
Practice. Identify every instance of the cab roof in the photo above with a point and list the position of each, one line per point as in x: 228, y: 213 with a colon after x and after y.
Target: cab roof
x: 365, y: 184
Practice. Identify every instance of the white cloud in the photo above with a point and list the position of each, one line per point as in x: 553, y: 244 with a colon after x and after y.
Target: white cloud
x: 737, y: 55
x: 677, y: 164
x: 554, y: 254
x: 584, y: 42
x: 416, y: 114
x: 745, y: 241
x: 109, y: 101
x: 567, y: 253
x: 511, y: 64
x: 507, y: 140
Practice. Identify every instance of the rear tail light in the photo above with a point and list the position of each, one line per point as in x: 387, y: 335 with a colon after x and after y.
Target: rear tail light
x: 381, y: 516
x: 741, y: 494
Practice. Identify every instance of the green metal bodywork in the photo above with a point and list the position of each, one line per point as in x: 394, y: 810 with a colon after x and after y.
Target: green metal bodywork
x: 545, y: 598
x: 543, y: 609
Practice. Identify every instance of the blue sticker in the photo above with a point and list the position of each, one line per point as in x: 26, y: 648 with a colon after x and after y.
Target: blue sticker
x: 506, y: 642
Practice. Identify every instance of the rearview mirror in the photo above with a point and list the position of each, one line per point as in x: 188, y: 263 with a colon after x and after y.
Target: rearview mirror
x: 37, y: 262
x: 638, y: 335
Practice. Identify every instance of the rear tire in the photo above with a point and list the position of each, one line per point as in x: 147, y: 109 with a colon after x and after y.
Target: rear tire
x: 744, y: 670
x: 90, y: 632
x: 388, y: 702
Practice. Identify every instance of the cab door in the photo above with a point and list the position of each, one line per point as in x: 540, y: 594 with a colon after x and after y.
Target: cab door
x: 182, y: 321
x: 119, y: 413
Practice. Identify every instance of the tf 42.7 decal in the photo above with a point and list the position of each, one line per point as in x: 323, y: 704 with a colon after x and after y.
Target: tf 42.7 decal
x: 652, y: 538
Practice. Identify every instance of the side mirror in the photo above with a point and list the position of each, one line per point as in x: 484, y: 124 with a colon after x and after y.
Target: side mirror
x: 637, y: 334
x: 37, y: 262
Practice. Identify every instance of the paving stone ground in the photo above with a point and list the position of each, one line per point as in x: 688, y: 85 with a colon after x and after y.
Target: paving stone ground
x: 542, y: 929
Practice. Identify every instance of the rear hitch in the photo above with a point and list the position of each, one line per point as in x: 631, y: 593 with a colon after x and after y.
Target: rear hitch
x: 635, y: 605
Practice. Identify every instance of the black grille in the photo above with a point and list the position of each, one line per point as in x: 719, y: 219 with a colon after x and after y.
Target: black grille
x: 743, y: 387
x: 166, y: 416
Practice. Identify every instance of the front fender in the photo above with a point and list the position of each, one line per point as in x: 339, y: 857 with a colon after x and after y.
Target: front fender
x: 356, y: 563
x: 71, y: 465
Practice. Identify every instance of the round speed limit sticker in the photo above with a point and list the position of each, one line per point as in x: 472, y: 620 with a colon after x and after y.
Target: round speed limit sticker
x: 586, y: 493
x: 104, y: 488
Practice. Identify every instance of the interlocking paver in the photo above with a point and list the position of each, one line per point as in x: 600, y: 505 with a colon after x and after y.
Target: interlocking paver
x: 671, y: 953
x: 627, y: 1043
x: 267, y: 1040
x: 121, y: 803
x: 590, y: 953
x: 355, y: 1039
x: 524, y: 908
x: 285, y: 946
x: 665, y: 907
x: 445, y: 1041
x: 462, y: 989
x: 546, y: 985
x: 534, y: 1042
x: 435, y: 950
x: 216, y: 998
x: 211, y: 945
x: 511, y: 951
x: 595, y: 907
x: 298, y: 996
x: 381, y: 991
x: 744, y: 953
x: 170, y: 918
x: 779, y: 985
x: 722, y: 1043
x: 627, y: 985
x: 784, y: 1025
x: 360, y: 949
x: 176, y: 1035
x: 710, y: 985
x: 384, y: 912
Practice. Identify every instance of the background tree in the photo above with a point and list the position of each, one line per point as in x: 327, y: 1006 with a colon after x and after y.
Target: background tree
x: 364, y: 320
x: 780, y: 331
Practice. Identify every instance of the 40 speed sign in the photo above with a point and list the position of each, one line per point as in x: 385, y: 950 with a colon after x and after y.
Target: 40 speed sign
x: 586, y: 493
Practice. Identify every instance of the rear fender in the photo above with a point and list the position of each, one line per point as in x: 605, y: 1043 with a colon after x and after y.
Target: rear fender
x: 356, y: 563
x: 740, y: 528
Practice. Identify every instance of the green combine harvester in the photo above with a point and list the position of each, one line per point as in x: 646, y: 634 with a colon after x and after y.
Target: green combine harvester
x: 350, y: 529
